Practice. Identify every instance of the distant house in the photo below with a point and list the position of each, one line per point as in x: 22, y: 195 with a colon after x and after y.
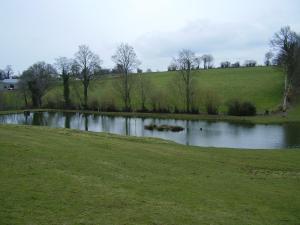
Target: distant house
x: 8, y: 84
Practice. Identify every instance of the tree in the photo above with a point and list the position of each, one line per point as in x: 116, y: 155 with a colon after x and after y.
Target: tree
x: 2, y: 74
x: 225, y: 64
x: 235, y: 65
x: 185, y: 62
x: 24, y: 91
x: 210, y: 61
x: 8, y: 71
x: 286, y: 44
x: 198, y: 61
x: 64, y: 65
x: 172, y: 66
x: 268, y: 58
x: 126, y: 60
x: 38, y: 78
x: 207, y: 61
x: 250, y: 63
x: 87, y: 64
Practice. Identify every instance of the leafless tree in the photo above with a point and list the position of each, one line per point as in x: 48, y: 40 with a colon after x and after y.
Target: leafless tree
x: 24, y: 91
x: 38, y: 79
x: 286, y: 44
x: 250, y: 63
x: 207, y: 61
x: 64, y: 66
x: 8, y: 71
x: 87, y: 63
x: 225, y: 64
x: 268, y: 58
x: 198, y: 61
x: 126, y: 60
x: 185, y: 62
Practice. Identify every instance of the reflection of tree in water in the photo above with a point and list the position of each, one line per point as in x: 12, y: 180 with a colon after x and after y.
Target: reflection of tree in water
x: 127, y: 126
x: 38, y: 118
x: 26, y: 116
x: 52, y: 119
x: 187, y: 134
x: 86, y: 122
x: 68, y: 117
x: 291, y: 135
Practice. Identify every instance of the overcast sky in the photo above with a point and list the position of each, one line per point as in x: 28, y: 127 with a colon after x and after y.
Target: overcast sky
x: 42, y: 30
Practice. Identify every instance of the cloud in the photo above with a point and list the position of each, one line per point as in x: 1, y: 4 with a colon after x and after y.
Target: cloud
x: 224, y: 40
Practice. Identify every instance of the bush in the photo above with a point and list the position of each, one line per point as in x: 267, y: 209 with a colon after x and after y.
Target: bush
x: 212, y: 103
x: 238, y: 108
x: 108, y: 104
x: 94, y: 104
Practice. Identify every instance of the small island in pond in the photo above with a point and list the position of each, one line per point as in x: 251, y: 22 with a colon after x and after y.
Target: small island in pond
x: 164, y: 128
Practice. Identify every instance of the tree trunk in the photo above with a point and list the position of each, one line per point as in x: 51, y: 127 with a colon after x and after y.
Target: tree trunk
x: 85, y: 92
x: 127, y: 94
x: 286, y: 90
x: 66, y: 90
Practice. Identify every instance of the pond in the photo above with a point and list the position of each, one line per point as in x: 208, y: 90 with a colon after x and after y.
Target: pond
x: 195, y: 133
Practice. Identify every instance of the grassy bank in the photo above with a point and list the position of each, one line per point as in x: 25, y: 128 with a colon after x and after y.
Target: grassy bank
x: 58, y: 176
x: 261, y: 85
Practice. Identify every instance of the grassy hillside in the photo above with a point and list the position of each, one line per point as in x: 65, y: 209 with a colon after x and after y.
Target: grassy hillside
x: 57, y: 176
x: 261, y: 85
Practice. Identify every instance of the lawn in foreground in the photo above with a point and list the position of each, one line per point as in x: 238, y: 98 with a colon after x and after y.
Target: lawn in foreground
x: 59, y: 176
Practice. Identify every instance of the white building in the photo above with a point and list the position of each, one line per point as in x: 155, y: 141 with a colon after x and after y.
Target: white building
x: 8, y: 84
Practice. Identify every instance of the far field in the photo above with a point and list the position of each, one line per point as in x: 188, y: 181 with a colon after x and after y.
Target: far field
x: 59, y: 176
x: 261, y: 85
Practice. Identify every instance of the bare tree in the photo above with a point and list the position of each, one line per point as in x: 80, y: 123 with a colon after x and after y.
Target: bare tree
x: 207, y: 61
x: 24, y: 91
x: 185, y: 62
x: 210, y: 60
x: 2, y: 74
x: 8, y: 71
x: 198, y: 61
x: 87, y: 63
x: 225, y: 64
x: 172, y: 66
x: 286, y: 44
x: 126, y: 60
x: 268, y: 58
x: 64, y: 65
x: 38, y: 79
x: 250, y: 63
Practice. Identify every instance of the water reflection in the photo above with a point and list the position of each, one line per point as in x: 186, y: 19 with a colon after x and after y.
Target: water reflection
x: 196, y: 133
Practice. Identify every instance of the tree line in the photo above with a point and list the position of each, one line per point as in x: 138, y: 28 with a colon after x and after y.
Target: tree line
x: 39, y: 78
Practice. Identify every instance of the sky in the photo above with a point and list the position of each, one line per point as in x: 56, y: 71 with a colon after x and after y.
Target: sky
x: 233, y: 30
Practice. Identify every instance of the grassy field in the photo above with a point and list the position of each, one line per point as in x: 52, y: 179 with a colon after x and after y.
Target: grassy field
x: 261, y: 85
x: 58, y: 176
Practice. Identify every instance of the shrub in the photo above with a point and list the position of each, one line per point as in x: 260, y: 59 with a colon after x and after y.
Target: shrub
x: 94, y: 104
x: 108, y: 104
x: 238, y: 108
x: 212, y: 103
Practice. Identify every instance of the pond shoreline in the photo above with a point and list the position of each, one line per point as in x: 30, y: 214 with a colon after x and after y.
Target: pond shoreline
x: 259, y: 119
x: 204, y: 133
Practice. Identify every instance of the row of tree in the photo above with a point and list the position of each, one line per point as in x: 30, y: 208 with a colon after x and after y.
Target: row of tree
x: 85, y: 65
x: 40, y: 77
x: 207, y: 61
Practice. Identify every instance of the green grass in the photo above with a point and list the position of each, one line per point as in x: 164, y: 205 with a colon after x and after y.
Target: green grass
x: 261, y: 85
x: 58, y: 176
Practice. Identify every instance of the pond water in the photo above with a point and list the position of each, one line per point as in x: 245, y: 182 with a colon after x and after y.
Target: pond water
x: 195, y: 133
